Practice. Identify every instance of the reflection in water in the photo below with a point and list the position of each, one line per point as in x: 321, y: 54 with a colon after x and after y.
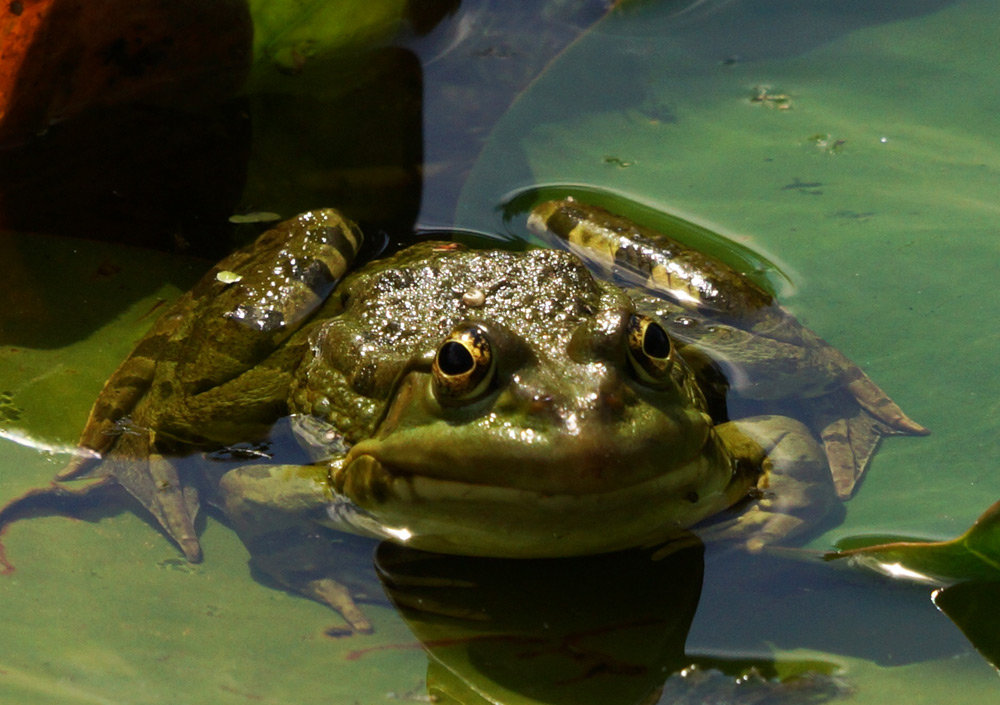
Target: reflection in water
x: 604, y: 630
x: 581, y: 631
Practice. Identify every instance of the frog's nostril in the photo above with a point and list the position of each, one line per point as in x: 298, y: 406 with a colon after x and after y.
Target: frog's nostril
x: 612, y: 400
x: 540, y: 403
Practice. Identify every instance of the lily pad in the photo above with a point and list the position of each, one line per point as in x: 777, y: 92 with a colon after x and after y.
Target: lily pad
x: 973, y: 556
x: 660, y: 109
x: 968, y: 568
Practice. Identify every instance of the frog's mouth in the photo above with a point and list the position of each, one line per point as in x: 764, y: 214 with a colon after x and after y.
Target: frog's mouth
x: 467, y: 517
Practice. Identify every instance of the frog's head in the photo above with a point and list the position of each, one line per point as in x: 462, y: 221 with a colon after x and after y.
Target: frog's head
x: 547, y: 417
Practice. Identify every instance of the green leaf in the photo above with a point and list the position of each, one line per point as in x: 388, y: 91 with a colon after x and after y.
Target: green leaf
x: 973, y: 556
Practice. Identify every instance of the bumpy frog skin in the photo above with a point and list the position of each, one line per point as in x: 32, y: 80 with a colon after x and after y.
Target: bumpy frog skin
x: 486, y: 403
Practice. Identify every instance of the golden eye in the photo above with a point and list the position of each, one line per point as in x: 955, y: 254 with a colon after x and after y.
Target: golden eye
x: 463, y: 367
x: 649, y: 350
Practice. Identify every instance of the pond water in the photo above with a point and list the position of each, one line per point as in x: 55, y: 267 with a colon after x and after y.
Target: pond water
x: 850, y: 147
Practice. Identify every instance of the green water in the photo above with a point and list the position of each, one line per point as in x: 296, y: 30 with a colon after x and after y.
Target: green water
x: 874, y: 196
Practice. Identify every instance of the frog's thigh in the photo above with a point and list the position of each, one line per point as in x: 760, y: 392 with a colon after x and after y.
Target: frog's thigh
x: 796, y: 489
x: 275, y: 510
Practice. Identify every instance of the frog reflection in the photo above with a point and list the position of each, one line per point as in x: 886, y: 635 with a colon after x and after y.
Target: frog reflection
x: 607, y: 630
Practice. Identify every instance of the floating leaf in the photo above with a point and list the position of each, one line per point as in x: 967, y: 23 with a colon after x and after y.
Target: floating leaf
x: 975, y: 555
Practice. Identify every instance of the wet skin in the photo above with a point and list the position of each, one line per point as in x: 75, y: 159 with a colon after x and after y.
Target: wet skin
x: 481, y: 402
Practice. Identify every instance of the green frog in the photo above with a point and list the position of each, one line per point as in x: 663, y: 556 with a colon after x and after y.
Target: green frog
x: 479, y: 402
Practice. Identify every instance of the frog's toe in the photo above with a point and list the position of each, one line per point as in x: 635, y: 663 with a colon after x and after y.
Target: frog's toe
x: 157, y: 485
x: 179, y: 524
x: 767, y: 528
x: 878, y: 404
x: 755, y: 529
x: 192, y: 550
x: 338, y: 597
x: 175, y: 506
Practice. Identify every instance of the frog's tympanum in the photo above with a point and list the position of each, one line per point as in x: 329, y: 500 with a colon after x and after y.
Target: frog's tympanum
x: 485, y: 403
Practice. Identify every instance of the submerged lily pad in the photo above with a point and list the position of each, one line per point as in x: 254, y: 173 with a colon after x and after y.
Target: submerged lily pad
x: 296, y: 36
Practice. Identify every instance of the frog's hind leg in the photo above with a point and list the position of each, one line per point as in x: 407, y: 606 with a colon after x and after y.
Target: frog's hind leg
x: 277, y: 511
x: 156, y: 484
x: 876, y: 402
x: 174, y: 504
x: 853, y: 420
x: 153, y: 480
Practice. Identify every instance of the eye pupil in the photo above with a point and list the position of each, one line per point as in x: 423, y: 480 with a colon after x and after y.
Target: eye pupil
x: 455, y: 359
x: 463, y: 369
x: 649, y: 351
x: 655, y: 342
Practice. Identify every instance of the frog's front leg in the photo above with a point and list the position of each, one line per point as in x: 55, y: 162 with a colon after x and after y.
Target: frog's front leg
x: 277, y: 510
x: 794, y: 489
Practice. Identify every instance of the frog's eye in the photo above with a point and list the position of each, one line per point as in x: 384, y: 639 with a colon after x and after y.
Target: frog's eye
x: 649, y: 349
x: 463, y: 367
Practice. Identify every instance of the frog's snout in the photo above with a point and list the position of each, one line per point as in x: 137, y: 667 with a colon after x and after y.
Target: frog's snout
x: 601, y: 337
x: 568, y: 408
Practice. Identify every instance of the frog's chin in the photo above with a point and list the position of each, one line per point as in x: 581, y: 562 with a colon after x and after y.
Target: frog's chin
x: 448, y: 516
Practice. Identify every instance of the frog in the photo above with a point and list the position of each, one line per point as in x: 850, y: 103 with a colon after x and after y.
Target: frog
x: 551, y: 402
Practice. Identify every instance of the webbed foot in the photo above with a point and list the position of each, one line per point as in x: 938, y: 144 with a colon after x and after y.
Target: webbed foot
x: 851, y: 432
x: 794, y: 492
x: 155, y: 483
x: 150, y: 478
